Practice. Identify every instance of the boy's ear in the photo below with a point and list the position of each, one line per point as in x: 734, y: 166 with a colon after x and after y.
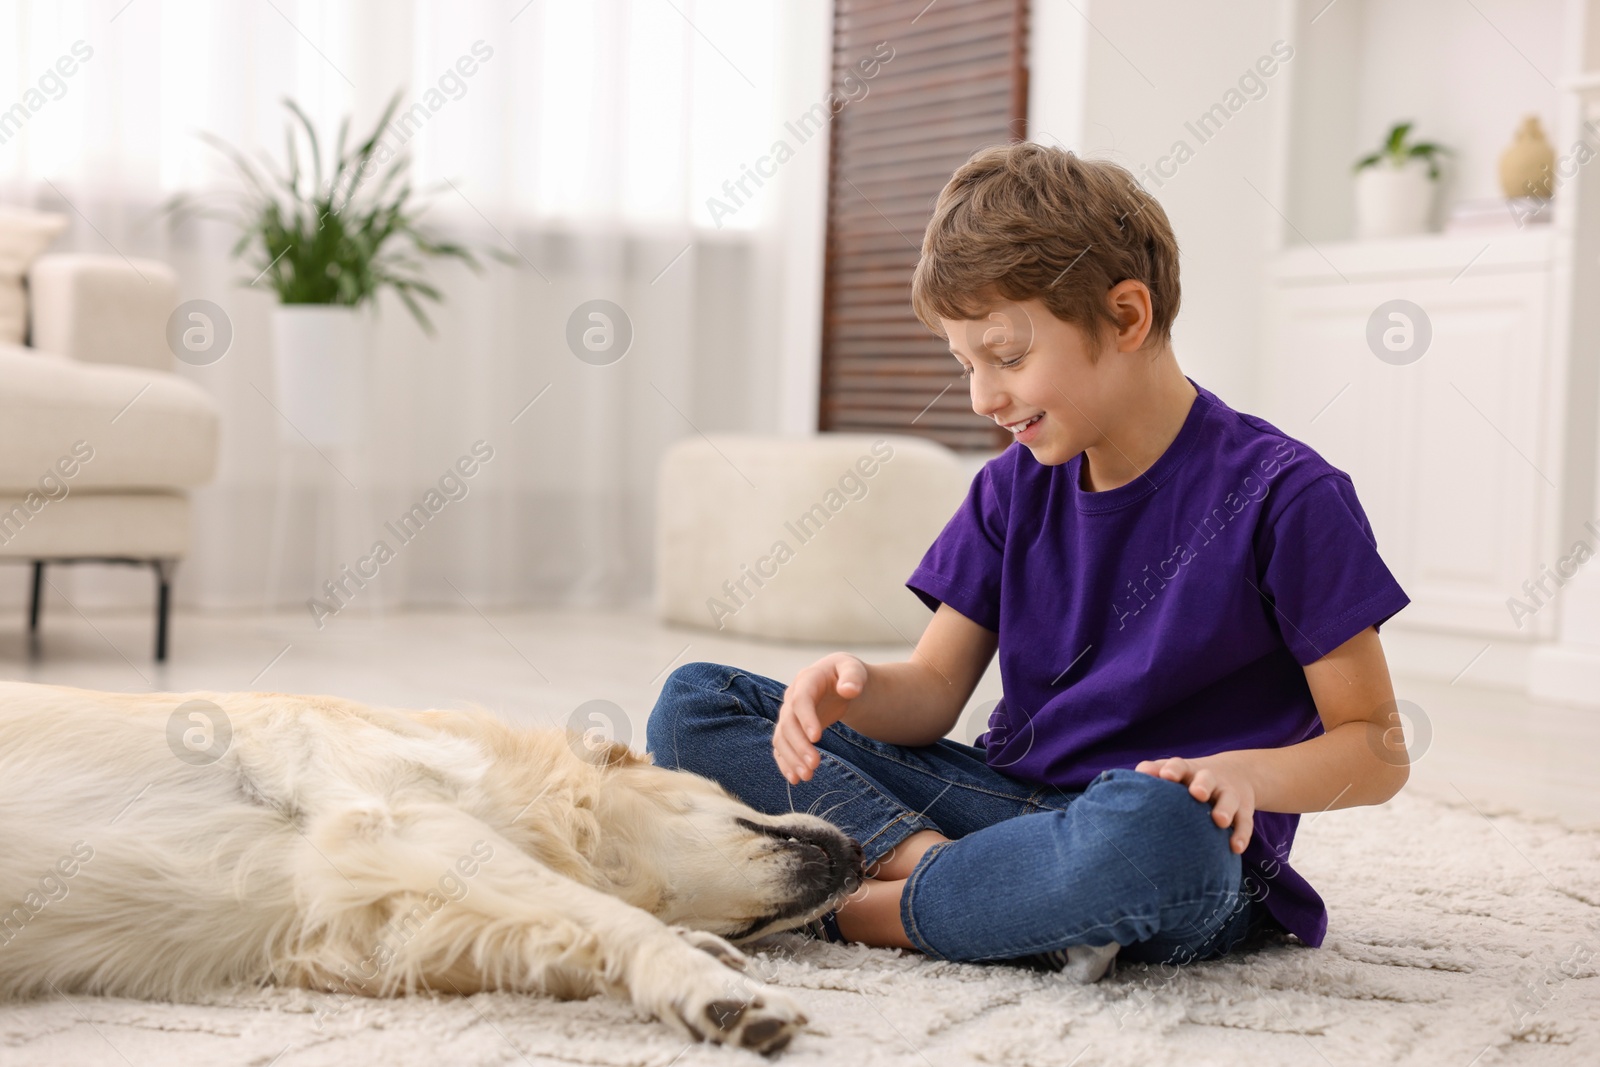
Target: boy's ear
x: 1129, y: 300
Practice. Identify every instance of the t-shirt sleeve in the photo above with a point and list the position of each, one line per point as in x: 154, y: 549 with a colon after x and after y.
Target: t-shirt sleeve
x: 1320, y: 570
x: 962, y: 566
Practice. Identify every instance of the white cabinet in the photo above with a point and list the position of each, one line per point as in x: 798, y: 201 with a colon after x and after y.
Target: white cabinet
x: 1477, y: 463
x: 1456, y: 454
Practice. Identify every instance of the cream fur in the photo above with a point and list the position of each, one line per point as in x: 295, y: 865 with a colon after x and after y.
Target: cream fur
x: 368, y: 851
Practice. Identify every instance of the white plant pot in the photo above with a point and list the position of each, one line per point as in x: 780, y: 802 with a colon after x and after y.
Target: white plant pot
x: 1393, y: 201
x: 320, y: 353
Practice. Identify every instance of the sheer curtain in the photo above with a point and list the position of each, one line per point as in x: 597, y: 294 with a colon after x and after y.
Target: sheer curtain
x: 584, y: 141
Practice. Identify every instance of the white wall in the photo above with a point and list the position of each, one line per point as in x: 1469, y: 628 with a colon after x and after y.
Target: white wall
x: 1119, y: 81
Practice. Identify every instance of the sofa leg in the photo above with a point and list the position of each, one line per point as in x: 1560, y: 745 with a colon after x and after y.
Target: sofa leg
x: 163, y: 602
x: 36, y: 597
x: 35, y: 601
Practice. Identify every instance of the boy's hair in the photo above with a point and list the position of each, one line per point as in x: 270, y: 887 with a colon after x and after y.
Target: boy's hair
x: 1025, y: 220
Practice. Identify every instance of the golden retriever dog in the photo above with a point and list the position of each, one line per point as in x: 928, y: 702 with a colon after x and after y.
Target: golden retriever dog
x: 157, y: 845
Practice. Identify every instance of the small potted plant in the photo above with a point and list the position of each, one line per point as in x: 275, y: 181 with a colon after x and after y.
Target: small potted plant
x: 327, y: 244
x: 1395, y: 185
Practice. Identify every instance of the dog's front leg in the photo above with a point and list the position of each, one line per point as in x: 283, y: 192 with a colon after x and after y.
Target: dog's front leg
x: 435, y: 897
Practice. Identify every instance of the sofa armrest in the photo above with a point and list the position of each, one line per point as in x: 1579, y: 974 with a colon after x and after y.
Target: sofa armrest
x: 103, y: 309
x: 144, y: 430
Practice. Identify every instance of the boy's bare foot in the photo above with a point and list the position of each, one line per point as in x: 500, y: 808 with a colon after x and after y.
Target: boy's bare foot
x: 900, y: 860
x: 871, y: 915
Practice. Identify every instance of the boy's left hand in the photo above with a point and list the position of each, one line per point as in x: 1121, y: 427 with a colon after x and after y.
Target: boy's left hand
x: 1230, y: 793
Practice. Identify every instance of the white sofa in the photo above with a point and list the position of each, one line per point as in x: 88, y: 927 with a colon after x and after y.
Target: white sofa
x: 801, y: 538
x: 100, y: 440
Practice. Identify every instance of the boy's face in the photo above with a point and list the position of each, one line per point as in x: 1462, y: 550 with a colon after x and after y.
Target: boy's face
x: 1022, y: 363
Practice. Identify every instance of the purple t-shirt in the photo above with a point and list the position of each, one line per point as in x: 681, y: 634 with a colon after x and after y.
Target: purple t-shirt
x: 1171, y: 616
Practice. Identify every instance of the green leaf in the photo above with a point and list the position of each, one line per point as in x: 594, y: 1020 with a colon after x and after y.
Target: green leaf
x: 1398, y: 153
x: 311, y: 135
x: 338, y: 155
x: 1397, y: 136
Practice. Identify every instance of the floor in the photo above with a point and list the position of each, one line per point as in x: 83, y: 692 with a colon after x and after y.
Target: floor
x: 1464, y: 914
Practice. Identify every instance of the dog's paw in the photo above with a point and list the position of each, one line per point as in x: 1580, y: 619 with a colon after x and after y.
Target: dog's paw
x: 719, y: 949
x: 688, y: 982
x: 755, y: 1017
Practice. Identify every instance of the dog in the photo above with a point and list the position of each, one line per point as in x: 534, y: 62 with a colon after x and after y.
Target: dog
x: 159, y: 845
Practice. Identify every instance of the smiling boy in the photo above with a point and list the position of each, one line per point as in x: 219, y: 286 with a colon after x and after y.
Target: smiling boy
x: 1183, y: 598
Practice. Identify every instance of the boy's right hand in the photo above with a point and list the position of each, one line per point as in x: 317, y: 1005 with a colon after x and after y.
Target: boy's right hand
x: 818, y: 697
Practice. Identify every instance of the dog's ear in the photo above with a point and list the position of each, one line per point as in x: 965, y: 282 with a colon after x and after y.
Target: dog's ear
x: 611, y: 754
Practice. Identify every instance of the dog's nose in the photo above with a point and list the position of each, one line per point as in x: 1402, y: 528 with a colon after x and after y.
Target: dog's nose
x: 846, y: 867
x: 841, y: 865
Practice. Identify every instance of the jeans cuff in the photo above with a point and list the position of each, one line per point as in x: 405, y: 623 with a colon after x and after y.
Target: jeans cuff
x: 906, y: 898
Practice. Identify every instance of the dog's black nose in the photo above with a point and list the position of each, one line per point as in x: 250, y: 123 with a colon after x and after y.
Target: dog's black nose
x: 846, y: 867
x: 842, y: 859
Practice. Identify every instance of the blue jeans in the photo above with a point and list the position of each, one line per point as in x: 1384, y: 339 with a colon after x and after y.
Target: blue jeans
x: 1131, y: 858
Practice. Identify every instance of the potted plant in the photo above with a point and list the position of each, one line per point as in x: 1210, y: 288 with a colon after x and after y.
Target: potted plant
x: 327, y: 245
x: 1395, y: 184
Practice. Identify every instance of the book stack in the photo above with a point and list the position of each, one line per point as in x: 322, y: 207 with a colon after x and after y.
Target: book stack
x: 1498, y: 213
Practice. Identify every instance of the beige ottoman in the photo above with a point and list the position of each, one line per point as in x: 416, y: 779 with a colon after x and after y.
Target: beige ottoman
x: 801, y: 538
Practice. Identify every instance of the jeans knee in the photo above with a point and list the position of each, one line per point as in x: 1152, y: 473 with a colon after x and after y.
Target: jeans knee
x: 682, y: 702
x: 695, y: 696
x: 700, y: 674
x: 1190, y: 842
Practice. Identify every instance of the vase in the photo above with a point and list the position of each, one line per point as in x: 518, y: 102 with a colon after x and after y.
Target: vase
x: 320, y: 354
x: 1393, y: 201
x: 1526, y: 162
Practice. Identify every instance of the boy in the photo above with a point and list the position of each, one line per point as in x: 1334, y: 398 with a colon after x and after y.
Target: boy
x: 1184, y: 600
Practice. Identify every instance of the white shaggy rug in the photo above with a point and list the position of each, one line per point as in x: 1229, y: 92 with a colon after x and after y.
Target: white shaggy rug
x: 1457, y: 937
